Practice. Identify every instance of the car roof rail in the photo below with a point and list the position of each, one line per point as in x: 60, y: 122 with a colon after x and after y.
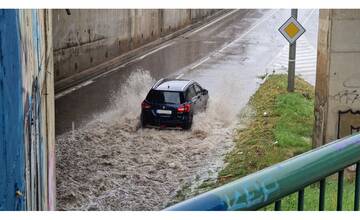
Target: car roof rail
x: 187, y: 84
x: 158, y: 83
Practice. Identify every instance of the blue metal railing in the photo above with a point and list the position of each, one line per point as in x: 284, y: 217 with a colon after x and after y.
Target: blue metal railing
x: 270, y: 185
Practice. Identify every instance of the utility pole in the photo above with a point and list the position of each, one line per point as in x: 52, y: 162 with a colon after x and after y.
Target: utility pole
x: 292, y: 57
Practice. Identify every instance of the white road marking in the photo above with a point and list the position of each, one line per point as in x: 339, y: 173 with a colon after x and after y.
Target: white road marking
x: 213, y: 22
x: 234, y: 41
x: 305, y: 58
x: 106, y: 72
x: 199, y: 63
x: 179, y: 76
x: 137, y: 59
x: 160, y: 48
x: 308, y: 17
x: 305, y: 68
x: 283, y: 55
x: 306, y: 65
x: 61, y: 94
x: 154, y: 51
x: 248, y: 31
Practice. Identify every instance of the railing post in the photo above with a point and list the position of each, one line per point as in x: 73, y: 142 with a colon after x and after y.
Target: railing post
x: 301, y: 200
x: 278, y: 205
x: 357, y: 187
x: 322, y: 195
x: 340, y: 190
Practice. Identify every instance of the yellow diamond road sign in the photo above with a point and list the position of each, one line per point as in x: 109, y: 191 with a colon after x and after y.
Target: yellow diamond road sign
x: 291, y: 30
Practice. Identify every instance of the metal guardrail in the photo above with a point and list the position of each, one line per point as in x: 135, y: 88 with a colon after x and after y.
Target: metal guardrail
x: 270, y: 185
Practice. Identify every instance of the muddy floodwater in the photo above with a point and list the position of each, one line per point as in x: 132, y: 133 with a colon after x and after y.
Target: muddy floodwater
x: 113, y: 164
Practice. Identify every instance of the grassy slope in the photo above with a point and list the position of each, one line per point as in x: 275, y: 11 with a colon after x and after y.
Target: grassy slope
x: 312, y: 197
x: 281, y: 128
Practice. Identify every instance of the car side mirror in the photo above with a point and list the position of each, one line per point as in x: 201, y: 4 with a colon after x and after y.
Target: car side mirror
x: 205, y: 92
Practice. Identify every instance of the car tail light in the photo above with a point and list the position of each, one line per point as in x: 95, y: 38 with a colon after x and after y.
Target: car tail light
x: 184, y: 108
x: 145, y: 105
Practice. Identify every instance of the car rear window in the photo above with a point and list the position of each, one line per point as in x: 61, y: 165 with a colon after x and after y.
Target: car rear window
x: 156, y: 96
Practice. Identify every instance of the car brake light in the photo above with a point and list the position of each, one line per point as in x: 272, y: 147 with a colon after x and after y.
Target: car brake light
x: 184, y: 108
x: 145, y: 105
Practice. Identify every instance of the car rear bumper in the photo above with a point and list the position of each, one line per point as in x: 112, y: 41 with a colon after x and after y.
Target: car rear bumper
x: 159, y: 121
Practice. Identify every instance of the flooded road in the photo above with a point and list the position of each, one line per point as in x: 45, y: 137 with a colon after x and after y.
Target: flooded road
x: 112, y: 164
x: 108, y: 163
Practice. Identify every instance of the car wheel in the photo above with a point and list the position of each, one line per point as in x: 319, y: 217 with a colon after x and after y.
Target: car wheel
x: 188, y: 124
x: 142, y: 122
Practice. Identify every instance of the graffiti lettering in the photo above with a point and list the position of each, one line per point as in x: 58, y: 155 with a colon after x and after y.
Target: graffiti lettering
x: 348, y: 96
x: 250, y: 195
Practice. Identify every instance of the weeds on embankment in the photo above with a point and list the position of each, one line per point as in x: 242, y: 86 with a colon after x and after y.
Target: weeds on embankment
x: 280, y: 128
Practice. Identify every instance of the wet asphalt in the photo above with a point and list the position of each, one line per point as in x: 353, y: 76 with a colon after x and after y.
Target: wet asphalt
x: 228, y: 57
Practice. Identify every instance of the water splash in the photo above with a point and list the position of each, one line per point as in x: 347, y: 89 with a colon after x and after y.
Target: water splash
x: 111, y: 164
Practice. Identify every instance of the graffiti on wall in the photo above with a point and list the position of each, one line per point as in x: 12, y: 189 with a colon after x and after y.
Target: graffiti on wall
x: 350, y: 94
x: 35, y: 148
x: 348, y: 123
x: 349, y: 120
x: 23, y: 130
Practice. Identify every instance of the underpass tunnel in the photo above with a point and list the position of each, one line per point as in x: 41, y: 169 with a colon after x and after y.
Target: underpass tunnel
x: 53, y: 51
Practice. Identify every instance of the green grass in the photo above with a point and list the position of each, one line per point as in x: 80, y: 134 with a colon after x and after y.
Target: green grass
x: 293, y: 128
x: 280, y: 129
x: 311, y: 198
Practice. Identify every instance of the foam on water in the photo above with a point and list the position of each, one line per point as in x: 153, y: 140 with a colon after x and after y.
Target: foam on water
x: 112, y: 164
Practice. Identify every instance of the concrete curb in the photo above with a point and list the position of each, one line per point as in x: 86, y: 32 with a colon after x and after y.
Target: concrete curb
x: 85, y: 75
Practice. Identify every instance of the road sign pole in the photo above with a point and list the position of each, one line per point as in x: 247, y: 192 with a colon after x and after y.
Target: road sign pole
x: 292, y: 57
x: 291, y: 68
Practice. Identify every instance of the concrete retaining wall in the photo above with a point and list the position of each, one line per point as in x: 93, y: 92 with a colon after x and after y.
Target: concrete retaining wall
x: 337, y: 107
x: 86, y: 38
x: 27, y: 148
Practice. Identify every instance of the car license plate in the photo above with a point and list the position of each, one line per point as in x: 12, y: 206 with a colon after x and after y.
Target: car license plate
x: 166, y: 112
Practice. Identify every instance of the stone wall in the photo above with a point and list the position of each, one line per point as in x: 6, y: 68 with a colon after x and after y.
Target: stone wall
x: 86, y: 38
x: 337, y: 107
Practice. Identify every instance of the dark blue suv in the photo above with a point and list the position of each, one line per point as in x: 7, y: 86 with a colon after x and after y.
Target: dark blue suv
x: 172, y: 103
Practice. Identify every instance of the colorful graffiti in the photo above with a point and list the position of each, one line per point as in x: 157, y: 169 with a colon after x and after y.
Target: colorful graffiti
x: 24, y: 111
